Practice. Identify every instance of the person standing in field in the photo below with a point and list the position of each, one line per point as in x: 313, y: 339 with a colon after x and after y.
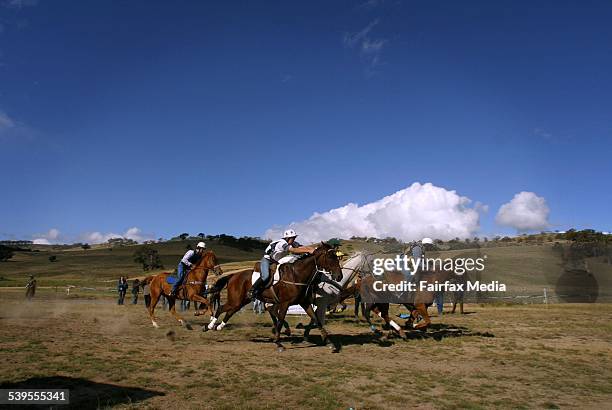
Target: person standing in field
x: 135, y: 291
x: 31, y: 288
x: 146, y: 291
x: 122, y: 287
x: 459, y: 295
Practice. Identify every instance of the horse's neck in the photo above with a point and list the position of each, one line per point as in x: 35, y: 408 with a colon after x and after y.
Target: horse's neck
x: 352, y: 267
x: 198, y: 273
x: 349, y: 270
x: 307, y: 265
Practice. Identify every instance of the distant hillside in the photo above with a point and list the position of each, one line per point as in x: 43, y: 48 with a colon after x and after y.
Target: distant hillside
x: 527, y: 265
x: 76, y: 265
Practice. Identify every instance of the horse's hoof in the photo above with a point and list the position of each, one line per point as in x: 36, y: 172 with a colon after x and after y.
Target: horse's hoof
x: 188, y: 326
x: 204, y: 328
x: 287, y: 332
x: 155, y: 325
x: 299, y: 326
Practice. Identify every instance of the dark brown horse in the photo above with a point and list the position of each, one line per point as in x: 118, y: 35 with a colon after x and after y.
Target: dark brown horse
x: 295, y: 287
x: 191, y: 289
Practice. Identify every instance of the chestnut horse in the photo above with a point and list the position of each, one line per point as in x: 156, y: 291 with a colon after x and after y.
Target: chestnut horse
x: 420, y: 299
x: 191, y: 289
x: 295, y: 287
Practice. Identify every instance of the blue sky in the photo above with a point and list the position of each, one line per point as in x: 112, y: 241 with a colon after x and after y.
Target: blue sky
x: 235, y: 117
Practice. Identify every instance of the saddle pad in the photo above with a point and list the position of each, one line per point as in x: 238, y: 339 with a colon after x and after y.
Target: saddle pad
x: 256, y: 275
x: 171, y: 280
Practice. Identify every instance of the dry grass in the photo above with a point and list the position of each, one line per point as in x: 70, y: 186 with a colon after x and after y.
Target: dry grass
x: 540, y: 357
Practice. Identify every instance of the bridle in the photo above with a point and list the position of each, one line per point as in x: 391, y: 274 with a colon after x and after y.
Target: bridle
x: 318, y: 271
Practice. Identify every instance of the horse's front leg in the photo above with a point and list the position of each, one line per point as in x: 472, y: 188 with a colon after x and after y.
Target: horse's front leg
x: 280, y: 316
x: 384, y: 314
x: 322, y: 303
x: 201, y: 300
x: 326, y: 339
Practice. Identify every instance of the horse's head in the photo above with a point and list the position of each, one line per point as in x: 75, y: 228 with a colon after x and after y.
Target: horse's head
x: 210, y: 259
x: 208, y: 262
x: 327, y: 259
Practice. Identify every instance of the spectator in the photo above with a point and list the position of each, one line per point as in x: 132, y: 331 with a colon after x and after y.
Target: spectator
x: 458, y: 296
x: 31, y: 288
x: 135, y: 291
x: 439, y: 298
x: 146, y: 291
x: 122, y: 288
x: 358, y: 303
x: 258, y: 306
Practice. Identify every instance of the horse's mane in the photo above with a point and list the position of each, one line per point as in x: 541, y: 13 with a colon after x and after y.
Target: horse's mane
x: 304, y: 256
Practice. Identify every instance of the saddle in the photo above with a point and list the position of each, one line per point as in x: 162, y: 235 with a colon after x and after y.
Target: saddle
x: 272, y: 279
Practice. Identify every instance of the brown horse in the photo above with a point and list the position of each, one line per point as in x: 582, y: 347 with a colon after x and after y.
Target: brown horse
x: 420, y: 299
x: 295, y: 287
x: 191, y: 289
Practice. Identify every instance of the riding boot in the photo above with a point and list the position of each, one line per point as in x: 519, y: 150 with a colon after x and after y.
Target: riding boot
x: 255, y: 289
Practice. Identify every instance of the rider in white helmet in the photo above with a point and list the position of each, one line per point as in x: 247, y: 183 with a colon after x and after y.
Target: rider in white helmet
x: 417, y: 250
x: 190, y: 259
x: 279, y: 251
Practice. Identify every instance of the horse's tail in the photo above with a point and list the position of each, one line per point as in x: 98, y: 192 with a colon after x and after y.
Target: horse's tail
x: 222, y: 282
x: 146, y: 281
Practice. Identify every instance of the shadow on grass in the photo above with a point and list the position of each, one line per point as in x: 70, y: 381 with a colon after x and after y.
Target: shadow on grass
x: 439, y: 331
x: 315, y: 340
x: 84, y: 394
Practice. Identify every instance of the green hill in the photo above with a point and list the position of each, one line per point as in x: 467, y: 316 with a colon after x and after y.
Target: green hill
x: 86, y: 267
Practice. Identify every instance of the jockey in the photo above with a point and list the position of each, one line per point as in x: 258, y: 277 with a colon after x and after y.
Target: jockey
x: 189, y: 260
x: 417, y: 251
x: 280, y: 251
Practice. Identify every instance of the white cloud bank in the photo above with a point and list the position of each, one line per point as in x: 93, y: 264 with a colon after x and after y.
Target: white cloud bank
x: 133, y: 233
x: 46, y: 238
x: 525, y: 212
x: 409, y: 214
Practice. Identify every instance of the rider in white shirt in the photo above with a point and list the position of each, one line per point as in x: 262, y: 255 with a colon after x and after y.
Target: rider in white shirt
x: 279, y: 251
x: 187, y: 262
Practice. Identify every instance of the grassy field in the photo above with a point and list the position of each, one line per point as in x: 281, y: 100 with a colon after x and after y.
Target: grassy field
x: 519, y: 356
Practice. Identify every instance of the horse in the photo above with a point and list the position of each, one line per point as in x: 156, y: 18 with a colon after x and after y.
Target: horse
x: 296, y: 284
x: 191, y: 289
x: 421, y: 299
x: 327, y: 293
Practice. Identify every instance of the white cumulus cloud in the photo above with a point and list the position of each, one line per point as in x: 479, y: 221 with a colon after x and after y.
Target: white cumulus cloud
x: 525, y: 212
x: 421, y: 210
